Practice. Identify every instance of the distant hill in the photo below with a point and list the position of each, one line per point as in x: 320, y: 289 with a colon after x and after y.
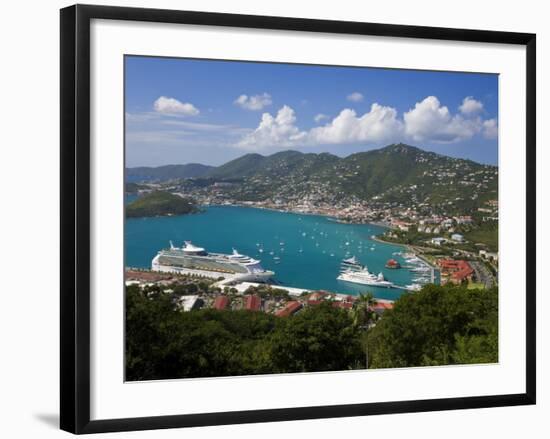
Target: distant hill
x: 280, y: 164
x: 397, y: 173
x: 241, y: 167
x: 168, y: 172
x: 159, y: 204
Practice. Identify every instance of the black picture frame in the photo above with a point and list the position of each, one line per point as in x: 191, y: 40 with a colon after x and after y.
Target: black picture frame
x: 75, y: 217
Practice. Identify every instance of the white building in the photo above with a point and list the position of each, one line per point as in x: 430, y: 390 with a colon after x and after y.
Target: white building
x: 457, y: 237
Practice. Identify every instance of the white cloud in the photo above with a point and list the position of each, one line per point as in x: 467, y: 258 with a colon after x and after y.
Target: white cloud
x: 254, y: 103
x: 490, y: 129
x: 278, y: 131
x: 470, y: 106
x: 428, y: 121
x: 355, y: 97
x: 167, y: 105
x: 431, y: 121
x: 378, y: 125
x: 320, y: 117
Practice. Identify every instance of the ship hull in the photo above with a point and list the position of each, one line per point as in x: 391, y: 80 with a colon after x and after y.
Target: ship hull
x: 213, y: 271
x: 365, y: 282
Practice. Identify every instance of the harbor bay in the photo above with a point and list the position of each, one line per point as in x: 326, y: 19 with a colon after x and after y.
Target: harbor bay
x: 304, y: 251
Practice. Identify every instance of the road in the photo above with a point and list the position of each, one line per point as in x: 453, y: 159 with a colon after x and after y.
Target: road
x: 483, y: 274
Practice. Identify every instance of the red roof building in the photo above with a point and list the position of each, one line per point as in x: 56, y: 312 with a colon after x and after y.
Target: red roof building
x: 342, y: 305
x: 317, y: 295
x: 335, y: 304
x: 382, y: 306
x: 289, y: 309
x: 253, y: 303
x: 457, y: 270
x: 221, y: 302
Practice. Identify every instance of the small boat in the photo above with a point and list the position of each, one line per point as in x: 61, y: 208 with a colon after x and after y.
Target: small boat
x: 393, y: 264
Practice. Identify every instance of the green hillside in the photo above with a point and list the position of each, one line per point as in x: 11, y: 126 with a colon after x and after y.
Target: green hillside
x: 160, y: 203
x: 242, y: 167
x: 399, y: 174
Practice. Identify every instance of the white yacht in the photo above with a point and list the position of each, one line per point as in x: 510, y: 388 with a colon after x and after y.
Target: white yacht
x: 353, y: 271
x: 196, y: 260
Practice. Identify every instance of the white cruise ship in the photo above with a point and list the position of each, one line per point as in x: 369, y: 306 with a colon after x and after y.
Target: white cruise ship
x: 353, y: 271
x: 196, y: 260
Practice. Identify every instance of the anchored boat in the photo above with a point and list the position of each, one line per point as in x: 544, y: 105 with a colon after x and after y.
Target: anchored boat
x: 192, y: 259
x: 353, y: 271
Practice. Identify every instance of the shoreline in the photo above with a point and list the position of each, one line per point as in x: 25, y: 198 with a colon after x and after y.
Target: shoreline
x: 409, y: 249
x: 299, y: 212
x: 373, y: 236
x: 242, y: 286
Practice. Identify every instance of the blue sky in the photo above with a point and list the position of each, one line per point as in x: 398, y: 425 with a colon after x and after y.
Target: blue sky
x: 210, y: 112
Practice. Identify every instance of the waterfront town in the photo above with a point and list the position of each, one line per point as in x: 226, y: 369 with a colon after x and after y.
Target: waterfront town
x: 193, y: 292
x: 463, y: 248
x: 445, y: 214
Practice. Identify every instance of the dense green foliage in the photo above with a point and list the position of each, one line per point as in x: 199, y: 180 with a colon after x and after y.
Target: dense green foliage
x: 168, y: 172
x: 320, y: 338
x: 438, y: 325
x: 160, y: 203
x: 163, y: 342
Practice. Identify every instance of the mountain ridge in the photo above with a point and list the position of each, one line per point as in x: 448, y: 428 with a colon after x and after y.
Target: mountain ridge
x: 209, y: 170
x: 188, y: 170
x: 397, y: 174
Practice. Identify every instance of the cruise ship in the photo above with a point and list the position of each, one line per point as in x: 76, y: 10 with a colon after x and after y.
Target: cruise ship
x: 353, y: 271
x: 196, y: 260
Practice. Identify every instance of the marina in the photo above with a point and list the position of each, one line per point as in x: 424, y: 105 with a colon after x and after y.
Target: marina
x: 303, y: 251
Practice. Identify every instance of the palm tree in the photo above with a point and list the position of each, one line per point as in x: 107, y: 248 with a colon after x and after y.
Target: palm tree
x: 363, y: 317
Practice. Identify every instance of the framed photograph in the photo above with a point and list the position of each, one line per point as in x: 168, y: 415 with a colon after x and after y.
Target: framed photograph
x: 268, y: 219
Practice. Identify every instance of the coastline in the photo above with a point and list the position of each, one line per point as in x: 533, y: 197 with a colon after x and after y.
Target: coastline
x: 301, y: 212
x: 409, y: 248
x: 361, y: 233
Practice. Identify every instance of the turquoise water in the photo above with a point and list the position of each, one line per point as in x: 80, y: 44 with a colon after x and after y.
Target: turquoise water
x: 310, y: 247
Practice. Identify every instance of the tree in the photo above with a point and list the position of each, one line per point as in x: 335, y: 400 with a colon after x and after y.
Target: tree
x: 437, y: 325
x: 363, y: 317
x: 318, y: 338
